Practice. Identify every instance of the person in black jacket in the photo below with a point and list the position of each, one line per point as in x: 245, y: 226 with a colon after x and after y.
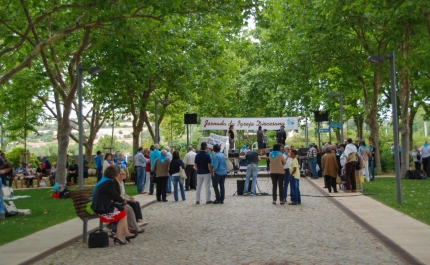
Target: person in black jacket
x: 174, y: 172
x: 105, y: 197
x: 281, y: 136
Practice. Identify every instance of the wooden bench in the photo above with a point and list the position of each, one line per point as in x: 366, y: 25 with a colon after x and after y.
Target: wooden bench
x: 80, y: 199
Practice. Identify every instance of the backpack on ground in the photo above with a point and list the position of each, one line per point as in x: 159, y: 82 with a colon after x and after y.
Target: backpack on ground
x: 414, y: 174
x: 10, y: 207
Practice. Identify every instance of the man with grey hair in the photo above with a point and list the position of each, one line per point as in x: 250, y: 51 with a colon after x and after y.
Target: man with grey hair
x: 169, y: 180
x: 140, y: 165
x: 191, y: 181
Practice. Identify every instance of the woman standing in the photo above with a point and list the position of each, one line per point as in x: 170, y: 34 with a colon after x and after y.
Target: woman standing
x: 161, y: 168
x: 277, y: 172
x: 330, y: 168
x: 372, y: 150
x: 175, y: 166
x: 108, y: 161
x: 149, y: 187
x: 104, y: 197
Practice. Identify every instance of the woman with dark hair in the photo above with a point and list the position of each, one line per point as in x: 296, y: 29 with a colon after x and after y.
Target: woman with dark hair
x: 277, y: 172
x: 108, y: 161
x: 161, y: 168
x: 105, y: 204
x: 175, y: 166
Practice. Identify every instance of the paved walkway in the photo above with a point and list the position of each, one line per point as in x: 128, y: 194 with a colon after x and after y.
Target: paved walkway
x: 245, y: 230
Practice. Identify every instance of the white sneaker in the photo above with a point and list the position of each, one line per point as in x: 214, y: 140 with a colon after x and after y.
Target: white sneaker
x: 142, y: 223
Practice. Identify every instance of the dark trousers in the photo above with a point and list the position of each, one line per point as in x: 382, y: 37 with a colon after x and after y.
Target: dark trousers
x: 426, y: 165
x: 350, y: 175
x: 330, y: 183
x: 152, y: 181
x: 219, y: 180
x: 417, y: 166
x: 191, y: 181
x: 161, y: 188
x: 99, y: 173
x: 74, y: 176
x: 277, y: 182
x: 136, y: 209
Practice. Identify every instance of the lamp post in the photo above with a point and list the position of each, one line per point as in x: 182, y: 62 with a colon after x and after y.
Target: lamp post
x: 378, y: 60
x: 156, y: 118
x: 91, y: 71
x: 340, y: 95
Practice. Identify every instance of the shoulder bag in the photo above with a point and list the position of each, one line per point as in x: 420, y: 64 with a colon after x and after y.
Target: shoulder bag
x: 182, y: 173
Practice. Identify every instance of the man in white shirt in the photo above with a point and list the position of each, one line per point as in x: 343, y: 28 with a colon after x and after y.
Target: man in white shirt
x: 351, y: 163
x: 191, y: 181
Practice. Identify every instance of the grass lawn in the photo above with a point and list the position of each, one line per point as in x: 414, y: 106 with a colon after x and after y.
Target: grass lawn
x: 415, y: 194
x: 45, y: 212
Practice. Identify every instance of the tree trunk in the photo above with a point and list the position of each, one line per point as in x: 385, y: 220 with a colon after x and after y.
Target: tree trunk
x: 359, y: 120
x: 404, y: 98
x: 64, y: 130
x: 413, y: 113
x: 372, y: 113
x: 337, y: 132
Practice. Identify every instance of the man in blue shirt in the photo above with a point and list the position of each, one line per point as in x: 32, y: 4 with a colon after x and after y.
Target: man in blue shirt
x: 153, y: 155
x: 219, y: 174
x: 204, y: 173
x: 99, y: 165
x: 140, y: 165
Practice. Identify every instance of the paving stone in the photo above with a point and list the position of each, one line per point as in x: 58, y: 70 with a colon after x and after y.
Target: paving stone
x: 244, y: 230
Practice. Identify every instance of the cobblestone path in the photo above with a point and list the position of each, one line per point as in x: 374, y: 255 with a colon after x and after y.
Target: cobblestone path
x: 244, y: 230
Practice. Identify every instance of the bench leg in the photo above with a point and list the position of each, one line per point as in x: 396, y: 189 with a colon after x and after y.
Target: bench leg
x: 84, y: 234
x: 101, y: 225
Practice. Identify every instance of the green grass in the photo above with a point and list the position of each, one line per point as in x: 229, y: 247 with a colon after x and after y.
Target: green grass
x: 415, y: 195
x: 45, y: 212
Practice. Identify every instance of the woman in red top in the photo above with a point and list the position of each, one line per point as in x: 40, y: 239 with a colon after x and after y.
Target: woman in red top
x: 149, y: 187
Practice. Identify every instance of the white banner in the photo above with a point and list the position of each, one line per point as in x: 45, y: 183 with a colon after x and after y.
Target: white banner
x: 215, y: 139
x: 290, y: 123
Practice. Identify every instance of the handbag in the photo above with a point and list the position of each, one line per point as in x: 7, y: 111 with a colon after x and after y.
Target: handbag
x: 182, y: 173
x: 338, y: 180
x: 98, y: 239
x: 7, y: 192
x: 228, y: 165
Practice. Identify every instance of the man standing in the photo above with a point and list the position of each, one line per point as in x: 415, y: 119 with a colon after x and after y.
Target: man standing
x: 204, y: 173
x: 140, y: 164
x: 219, y: 174
x: 231, y: 136
x: 251, y: 170
x: 99, y: 165
x: 260, y: 140
x: 351, y: 163
x: 281, y: 135
x: 312, y: 157
x: 153, y: 155
x: 190, y: 182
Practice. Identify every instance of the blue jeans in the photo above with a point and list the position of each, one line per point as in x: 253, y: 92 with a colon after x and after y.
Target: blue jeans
x: 372, y: 169
x: 219, y: 192
x: 286, y: 182
x: 99, y: 173
x: 313, y: 165
x: 169, y: 184
x: 296, y: 191
x: 3, y: 180
x: 176, y: 180
x: 251, y: 169
x: 141, y: 177
x: 2, y: 208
